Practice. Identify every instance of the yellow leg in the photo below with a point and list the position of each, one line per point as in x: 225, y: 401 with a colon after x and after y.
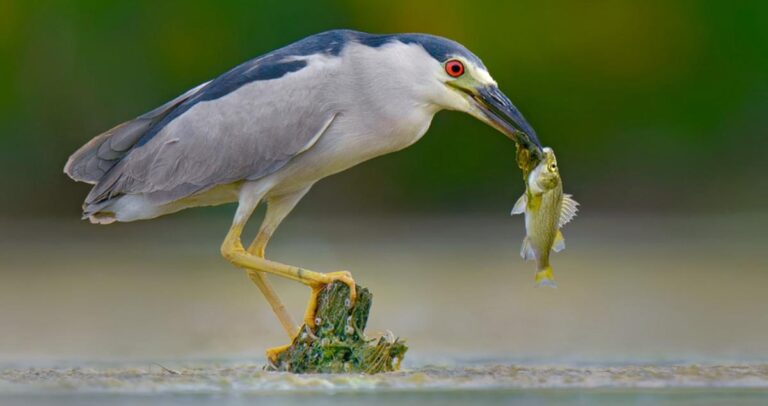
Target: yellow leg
x: 260, y: 279
x: 232, y: 249
x: 254, y: 263
x: 258, y: 247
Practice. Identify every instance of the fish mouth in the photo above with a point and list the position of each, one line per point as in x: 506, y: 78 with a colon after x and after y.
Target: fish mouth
x: 495, y: 109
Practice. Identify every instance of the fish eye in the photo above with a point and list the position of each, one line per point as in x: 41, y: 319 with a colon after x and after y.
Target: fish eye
x: 454, y: 68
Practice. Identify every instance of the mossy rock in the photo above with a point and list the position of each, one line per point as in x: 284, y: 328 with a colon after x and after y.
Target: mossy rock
x: 338, y: 343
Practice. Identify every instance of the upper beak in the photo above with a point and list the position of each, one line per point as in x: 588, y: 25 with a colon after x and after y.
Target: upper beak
x: 498, y: 111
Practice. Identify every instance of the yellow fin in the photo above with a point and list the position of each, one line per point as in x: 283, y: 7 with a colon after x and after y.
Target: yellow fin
x: 559, y: 243
x: 546, y: 278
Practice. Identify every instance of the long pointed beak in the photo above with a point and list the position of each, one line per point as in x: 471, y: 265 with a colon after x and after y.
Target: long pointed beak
x: 501, y: 114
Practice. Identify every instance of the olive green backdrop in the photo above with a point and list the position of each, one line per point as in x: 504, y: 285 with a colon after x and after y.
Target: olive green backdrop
x: 651, y: 105
x: 658, y: 111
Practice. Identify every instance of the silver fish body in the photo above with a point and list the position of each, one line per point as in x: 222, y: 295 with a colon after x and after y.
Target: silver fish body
x: 546, y: 210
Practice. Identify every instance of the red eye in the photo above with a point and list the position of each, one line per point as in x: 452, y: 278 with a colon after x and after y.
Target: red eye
x: 454, y: 68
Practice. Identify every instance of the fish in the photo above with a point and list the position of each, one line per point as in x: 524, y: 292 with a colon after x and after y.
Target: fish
x: 547, y: 209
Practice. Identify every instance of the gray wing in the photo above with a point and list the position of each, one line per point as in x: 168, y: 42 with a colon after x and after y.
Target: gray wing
x: 244, y: 135
x: 94, y: 159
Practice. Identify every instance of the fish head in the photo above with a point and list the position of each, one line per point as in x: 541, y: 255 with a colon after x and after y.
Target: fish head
x: 546, y: 175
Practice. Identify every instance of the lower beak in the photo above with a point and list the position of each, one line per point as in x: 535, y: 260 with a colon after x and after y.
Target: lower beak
x: 498, y: 111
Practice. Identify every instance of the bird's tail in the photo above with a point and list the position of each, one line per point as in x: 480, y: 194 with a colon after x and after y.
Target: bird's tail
x: 545, y: 278
x: 98, y: 213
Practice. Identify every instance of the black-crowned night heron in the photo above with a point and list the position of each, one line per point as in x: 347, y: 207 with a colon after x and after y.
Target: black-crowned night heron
x: 270, y: 128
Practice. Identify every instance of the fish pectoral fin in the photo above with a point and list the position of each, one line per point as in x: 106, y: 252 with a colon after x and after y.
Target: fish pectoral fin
x: 568, y: 210
x: 526, y: 251
x: 559, y: 243
x: 519, y: 207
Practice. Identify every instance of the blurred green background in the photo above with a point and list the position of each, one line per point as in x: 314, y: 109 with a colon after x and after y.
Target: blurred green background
x: 658, y: 111
x: 652, y: 106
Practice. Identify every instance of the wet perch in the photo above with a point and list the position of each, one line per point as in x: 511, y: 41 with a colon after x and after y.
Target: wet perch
x: 338, y: 343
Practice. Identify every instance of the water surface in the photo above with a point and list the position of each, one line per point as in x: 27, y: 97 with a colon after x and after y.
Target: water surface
x: 653, y: 310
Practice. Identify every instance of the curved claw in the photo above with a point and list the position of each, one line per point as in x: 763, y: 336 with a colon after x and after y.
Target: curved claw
x: 346, y: 278
x: 341, y: 276
x: 274, y: 352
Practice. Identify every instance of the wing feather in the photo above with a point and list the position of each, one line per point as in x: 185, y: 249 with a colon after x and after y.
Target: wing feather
x: 94, y: 159
x: 245, y: 135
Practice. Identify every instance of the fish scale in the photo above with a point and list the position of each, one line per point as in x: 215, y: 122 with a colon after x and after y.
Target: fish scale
x: 546, y: 210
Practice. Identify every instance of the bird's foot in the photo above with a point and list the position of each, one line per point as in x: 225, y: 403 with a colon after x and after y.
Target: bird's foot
x: 302, y: 334
x: 309, y: 315
x: 341, y: 276
x: 274, y: 352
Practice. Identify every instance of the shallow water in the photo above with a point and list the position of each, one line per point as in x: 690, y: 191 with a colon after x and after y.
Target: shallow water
x: 230, y: 377
x: 672, y: 397
x: 648, y: 311
x: 229, y: 383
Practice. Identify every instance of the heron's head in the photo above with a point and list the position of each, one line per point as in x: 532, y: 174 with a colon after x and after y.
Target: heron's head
x: 459, y: 80
x: 429, y: 71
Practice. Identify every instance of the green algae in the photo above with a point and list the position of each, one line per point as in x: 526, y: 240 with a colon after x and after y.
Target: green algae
x: 338, y: 343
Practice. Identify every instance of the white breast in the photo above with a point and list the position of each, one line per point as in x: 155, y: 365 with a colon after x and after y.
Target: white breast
x: 382, y: 109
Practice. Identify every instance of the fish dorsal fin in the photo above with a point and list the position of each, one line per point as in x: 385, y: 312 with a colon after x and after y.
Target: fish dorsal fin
x: 568, y: 210
x: 559, y: 243
x: 519, y: 207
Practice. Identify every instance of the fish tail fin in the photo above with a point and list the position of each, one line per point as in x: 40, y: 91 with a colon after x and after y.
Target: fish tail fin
x: 545, y: 278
